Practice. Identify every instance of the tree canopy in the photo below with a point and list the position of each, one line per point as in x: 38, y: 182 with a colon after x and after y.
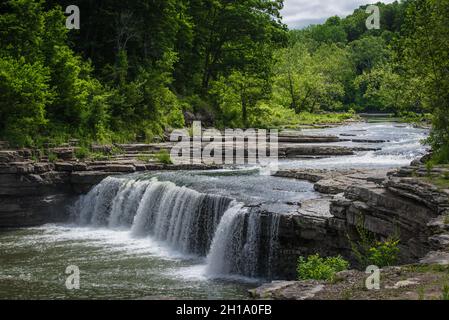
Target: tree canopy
x: 138, y: 68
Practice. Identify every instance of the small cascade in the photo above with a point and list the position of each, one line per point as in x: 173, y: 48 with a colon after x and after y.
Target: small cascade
x: 236, y: 240
x: 245, y: 244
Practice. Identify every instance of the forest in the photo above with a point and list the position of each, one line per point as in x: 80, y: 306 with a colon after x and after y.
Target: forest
x: 137, y: 69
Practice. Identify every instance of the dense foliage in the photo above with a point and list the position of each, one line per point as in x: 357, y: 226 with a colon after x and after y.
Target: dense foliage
x: 138, y: 68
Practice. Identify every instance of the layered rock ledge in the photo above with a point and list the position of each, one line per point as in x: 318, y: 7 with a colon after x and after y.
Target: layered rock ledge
x: 34, y: 193
x: 385, y: 203
x: 399, y: 203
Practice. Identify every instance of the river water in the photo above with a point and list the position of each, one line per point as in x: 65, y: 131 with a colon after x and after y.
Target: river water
x: 179, y: 234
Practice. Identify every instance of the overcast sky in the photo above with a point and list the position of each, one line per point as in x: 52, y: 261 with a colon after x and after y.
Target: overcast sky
x: 301, y: 13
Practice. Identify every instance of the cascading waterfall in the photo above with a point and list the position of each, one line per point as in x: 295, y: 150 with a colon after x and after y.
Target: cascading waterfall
x: 245, y: 244
x: 235, y: 239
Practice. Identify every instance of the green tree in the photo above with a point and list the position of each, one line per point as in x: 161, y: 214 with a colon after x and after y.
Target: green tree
x: 24, y: 93
x: 425, y: 51
x: 237, y: 97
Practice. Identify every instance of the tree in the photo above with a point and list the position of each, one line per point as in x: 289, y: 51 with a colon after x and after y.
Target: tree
x: 237, y: 96
x: 425, y: 52
x: 24, y: 93
x: 369, y: 52
x: 314, y: 81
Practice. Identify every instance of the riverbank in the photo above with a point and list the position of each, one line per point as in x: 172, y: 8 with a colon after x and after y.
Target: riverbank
x: 411, y: 202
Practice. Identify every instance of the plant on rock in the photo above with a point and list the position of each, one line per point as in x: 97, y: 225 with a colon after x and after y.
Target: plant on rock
x: 317, y: 268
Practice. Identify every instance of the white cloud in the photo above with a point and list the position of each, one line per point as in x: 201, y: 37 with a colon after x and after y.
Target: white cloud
x: 301, y: 13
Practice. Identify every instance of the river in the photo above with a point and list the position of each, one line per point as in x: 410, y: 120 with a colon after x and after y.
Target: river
x: 182, y: 234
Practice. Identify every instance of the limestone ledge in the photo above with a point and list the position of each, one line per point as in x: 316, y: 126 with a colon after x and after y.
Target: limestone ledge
x: 34, y: 193
x: 385, y: 203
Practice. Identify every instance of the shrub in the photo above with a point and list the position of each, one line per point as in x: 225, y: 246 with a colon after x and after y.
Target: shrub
x: 318, y: 268
x: 163, y: 157
x: 143, y: 158
x: 384, y: 253
x: 82, y: 153
x: 369, y: 251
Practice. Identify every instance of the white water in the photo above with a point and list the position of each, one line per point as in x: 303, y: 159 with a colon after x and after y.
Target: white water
x: 237, y: 244
x: 403, y: 144
x: 183, y: 220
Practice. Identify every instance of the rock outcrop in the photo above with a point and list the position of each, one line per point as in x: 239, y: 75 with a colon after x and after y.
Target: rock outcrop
x: 33, y: 193
x: 385, y: 204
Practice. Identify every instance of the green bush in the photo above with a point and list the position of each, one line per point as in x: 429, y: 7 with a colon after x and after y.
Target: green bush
x: 384, y: 253
x: 163, y: 157
x: 369, y: 251
x: 318, y: 268
x: 82, y: 153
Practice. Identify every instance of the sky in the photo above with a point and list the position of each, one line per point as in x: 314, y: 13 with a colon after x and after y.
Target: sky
x: 301, y: 13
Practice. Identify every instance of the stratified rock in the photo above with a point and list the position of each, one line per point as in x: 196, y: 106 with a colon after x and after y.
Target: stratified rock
x: 292, y: 150
x: 64, y: 166
x: 283, y: 138
x: 419, y: 191
x: 436, y: 257
x: 43, y: 167
x: 105, y: 149
x: 7, y: 156
x: 315, y: 208
x: 64, y: 153
x: 22, y: 167
x: 287, y: 290
x: 368, y: 141
x: 333, y: 186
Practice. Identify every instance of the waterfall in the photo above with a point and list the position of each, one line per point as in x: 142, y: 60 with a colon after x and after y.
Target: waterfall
x: 245, y: 244
x: 182, y: 218
x: 236, y: 240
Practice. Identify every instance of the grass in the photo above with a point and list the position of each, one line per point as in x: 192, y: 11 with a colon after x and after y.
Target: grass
x: 439, y: 182
x: 143, y: 158
x: 417, y: 118
x: 82, y: 153
x: 52, y: 157
x: 446, y: 218
x: 445, y: 292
